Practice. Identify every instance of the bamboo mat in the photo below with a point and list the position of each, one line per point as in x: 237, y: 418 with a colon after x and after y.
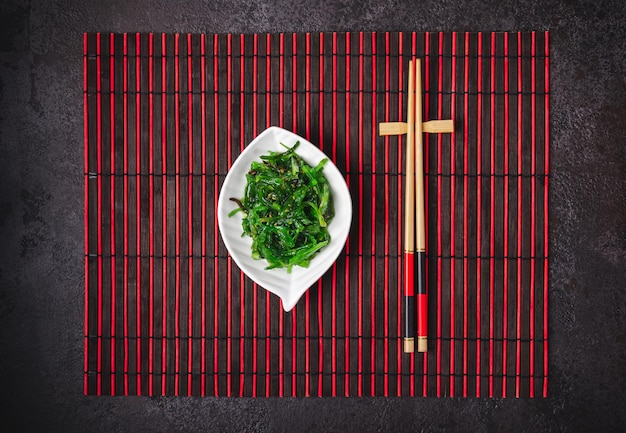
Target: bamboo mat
x: 167, y: 312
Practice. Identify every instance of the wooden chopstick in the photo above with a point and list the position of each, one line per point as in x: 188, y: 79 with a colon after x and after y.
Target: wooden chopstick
x: 409, y: 221
x: 420, y: 247
x: 415, y: 238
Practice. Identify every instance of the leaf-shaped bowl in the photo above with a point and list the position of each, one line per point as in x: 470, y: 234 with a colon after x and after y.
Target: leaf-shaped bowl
x: 288, y: 286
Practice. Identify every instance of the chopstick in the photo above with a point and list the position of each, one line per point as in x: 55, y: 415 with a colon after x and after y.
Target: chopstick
x: 409, y: 221
x: 415, y: 230
x: 420, y: 247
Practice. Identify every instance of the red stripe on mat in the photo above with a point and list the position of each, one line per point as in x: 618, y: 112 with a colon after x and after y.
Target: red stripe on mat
x: 99, y: 210
x: 466, y: 330
x: 203, y: 276
x: 87, y: 144
x: 387, y: 225
x: 151, y: 216
x: 216, y: 262
x: 452, y: 214
x: 533, y: 222
x: 373, y: 346
x: 545, y: 215
x: 164, y: 275
x: 401, y: 115
x: 138, y: 169
x: 242, y: 299
x: 491, y: 211
x: 505, y: 219
x: 426, y: 114
x: 112, y: 210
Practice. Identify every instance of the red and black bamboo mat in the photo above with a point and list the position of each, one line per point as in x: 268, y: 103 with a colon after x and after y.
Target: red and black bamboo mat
x: 167, y: 312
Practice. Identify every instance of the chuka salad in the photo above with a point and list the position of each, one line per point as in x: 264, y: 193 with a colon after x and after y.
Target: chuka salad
x: 287, y: 208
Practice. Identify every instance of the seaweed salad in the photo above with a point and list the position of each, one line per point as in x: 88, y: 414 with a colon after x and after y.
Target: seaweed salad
x: 287, y: 206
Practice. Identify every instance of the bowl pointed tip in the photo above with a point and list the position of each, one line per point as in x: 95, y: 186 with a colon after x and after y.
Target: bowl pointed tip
x: 288, y: 304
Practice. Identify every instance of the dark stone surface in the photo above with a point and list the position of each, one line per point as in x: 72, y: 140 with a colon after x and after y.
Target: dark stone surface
x: 41, y: 218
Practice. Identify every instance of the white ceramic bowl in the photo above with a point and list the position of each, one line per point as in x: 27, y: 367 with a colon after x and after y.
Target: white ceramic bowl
x: 288, y: 286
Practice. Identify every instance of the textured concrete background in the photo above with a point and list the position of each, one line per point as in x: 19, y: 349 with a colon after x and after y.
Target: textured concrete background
x: 41, y: 211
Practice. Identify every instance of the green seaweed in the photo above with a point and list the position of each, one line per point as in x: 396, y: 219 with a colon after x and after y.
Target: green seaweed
x: 287, y: 206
